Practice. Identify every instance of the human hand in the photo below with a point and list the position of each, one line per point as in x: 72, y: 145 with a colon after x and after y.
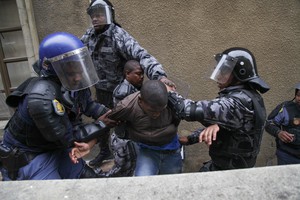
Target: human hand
x: 170, y: 85
x: 107, y: 121
x: 285, y: 137
x: 80, y: 150
x: 209, y: 134
x: 183, y: 140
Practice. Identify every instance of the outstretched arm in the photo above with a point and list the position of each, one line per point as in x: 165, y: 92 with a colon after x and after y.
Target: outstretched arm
x: 192, y: 138
x: 209, y: 134
x: 81, y: 149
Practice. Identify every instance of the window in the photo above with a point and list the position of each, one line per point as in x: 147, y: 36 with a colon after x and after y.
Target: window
x: 16, y: 55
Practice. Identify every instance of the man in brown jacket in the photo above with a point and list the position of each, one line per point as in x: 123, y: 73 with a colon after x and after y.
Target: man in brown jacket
x: 153, y: 126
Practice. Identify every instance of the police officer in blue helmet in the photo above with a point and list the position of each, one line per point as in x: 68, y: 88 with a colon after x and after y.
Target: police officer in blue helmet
x: 47, y: 121
x: 234, y: 121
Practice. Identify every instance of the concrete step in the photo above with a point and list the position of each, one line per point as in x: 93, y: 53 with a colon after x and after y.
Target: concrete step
x: 276, y: 182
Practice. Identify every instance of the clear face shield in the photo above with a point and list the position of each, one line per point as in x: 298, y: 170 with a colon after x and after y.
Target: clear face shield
x: 224, y: 68
x: 101, y: 13
x: 75, y: 69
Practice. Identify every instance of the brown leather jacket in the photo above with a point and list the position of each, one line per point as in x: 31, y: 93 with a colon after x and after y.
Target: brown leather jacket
x: 142, y: 128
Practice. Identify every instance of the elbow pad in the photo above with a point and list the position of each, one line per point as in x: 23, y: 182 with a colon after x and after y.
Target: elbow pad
x: 88, y: 132
x: 176, y: 103
x: 189, y: 112
x: 194, y: 112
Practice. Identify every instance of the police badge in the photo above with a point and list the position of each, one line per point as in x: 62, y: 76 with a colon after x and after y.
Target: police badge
x: 58, y: 107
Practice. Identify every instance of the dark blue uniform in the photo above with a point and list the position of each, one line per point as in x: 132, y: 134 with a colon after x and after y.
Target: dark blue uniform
x: 286, y: 117
x: 45, y: 125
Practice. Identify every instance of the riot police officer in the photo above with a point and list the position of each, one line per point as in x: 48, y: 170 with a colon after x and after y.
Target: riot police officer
x: 284, y: 124
x: 111, y: 47
x: 235, y: 119
x: 48, y: 116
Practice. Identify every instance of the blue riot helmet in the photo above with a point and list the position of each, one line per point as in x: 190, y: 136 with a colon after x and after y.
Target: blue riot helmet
x: 63, y: 55
x: 102, y: 9
x: 241, y: 63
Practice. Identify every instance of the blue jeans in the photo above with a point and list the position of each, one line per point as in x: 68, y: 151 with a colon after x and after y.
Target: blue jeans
x: 284, y: 158
x: 50, y: 165
x: 154, y: 162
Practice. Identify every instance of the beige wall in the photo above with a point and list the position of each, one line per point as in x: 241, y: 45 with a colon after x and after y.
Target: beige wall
x: 185, y: 34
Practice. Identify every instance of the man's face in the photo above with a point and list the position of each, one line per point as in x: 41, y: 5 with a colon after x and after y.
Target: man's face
x: 73, y: 75
x: 99, y: 19
x: 135, y: 77
x: 226, y: 84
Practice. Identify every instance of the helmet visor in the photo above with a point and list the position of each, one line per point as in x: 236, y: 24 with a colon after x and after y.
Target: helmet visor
x: 101, y: 13
x: 223, y: 68
x: 75, y: 69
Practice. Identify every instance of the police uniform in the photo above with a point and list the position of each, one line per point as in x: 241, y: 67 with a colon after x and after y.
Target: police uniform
x: 111, y: 49
x: 47, y: 118
x: 123, y: 90
x: 235, y: 111
x: 286, y: 117
x: 238, y: 110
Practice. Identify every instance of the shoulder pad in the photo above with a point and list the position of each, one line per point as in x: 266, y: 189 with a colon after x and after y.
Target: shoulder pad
x: 279, y: 108
x: 243, y: 97
x: 45, y: 89
x: 123, y: 90
x: 13, y: 99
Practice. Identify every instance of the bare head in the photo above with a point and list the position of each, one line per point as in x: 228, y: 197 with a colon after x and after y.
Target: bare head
x: 154, y: 98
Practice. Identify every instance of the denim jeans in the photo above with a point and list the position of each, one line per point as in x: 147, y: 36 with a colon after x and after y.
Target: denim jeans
x: 284, y: 158
x: 46, y: 166
x: 154, y: 162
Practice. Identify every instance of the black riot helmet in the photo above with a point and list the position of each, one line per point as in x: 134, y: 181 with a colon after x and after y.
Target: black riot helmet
x: 103, y: 8
x: 241, y: 63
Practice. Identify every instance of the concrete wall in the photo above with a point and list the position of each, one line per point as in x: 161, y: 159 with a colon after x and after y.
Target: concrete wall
x: 185, y: 34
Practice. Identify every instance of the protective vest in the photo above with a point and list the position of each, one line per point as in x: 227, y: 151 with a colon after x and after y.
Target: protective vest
x: 240, y: 148
x: 21, y: 125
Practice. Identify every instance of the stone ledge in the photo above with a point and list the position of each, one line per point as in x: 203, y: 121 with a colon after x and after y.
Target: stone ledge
x: 3, y: 124
x: 276, y: 182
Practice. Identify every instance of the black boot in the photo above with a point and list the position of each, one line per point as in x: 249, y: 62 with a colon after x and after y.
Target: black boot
x: 104, y: 154
x: 88, y: 172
